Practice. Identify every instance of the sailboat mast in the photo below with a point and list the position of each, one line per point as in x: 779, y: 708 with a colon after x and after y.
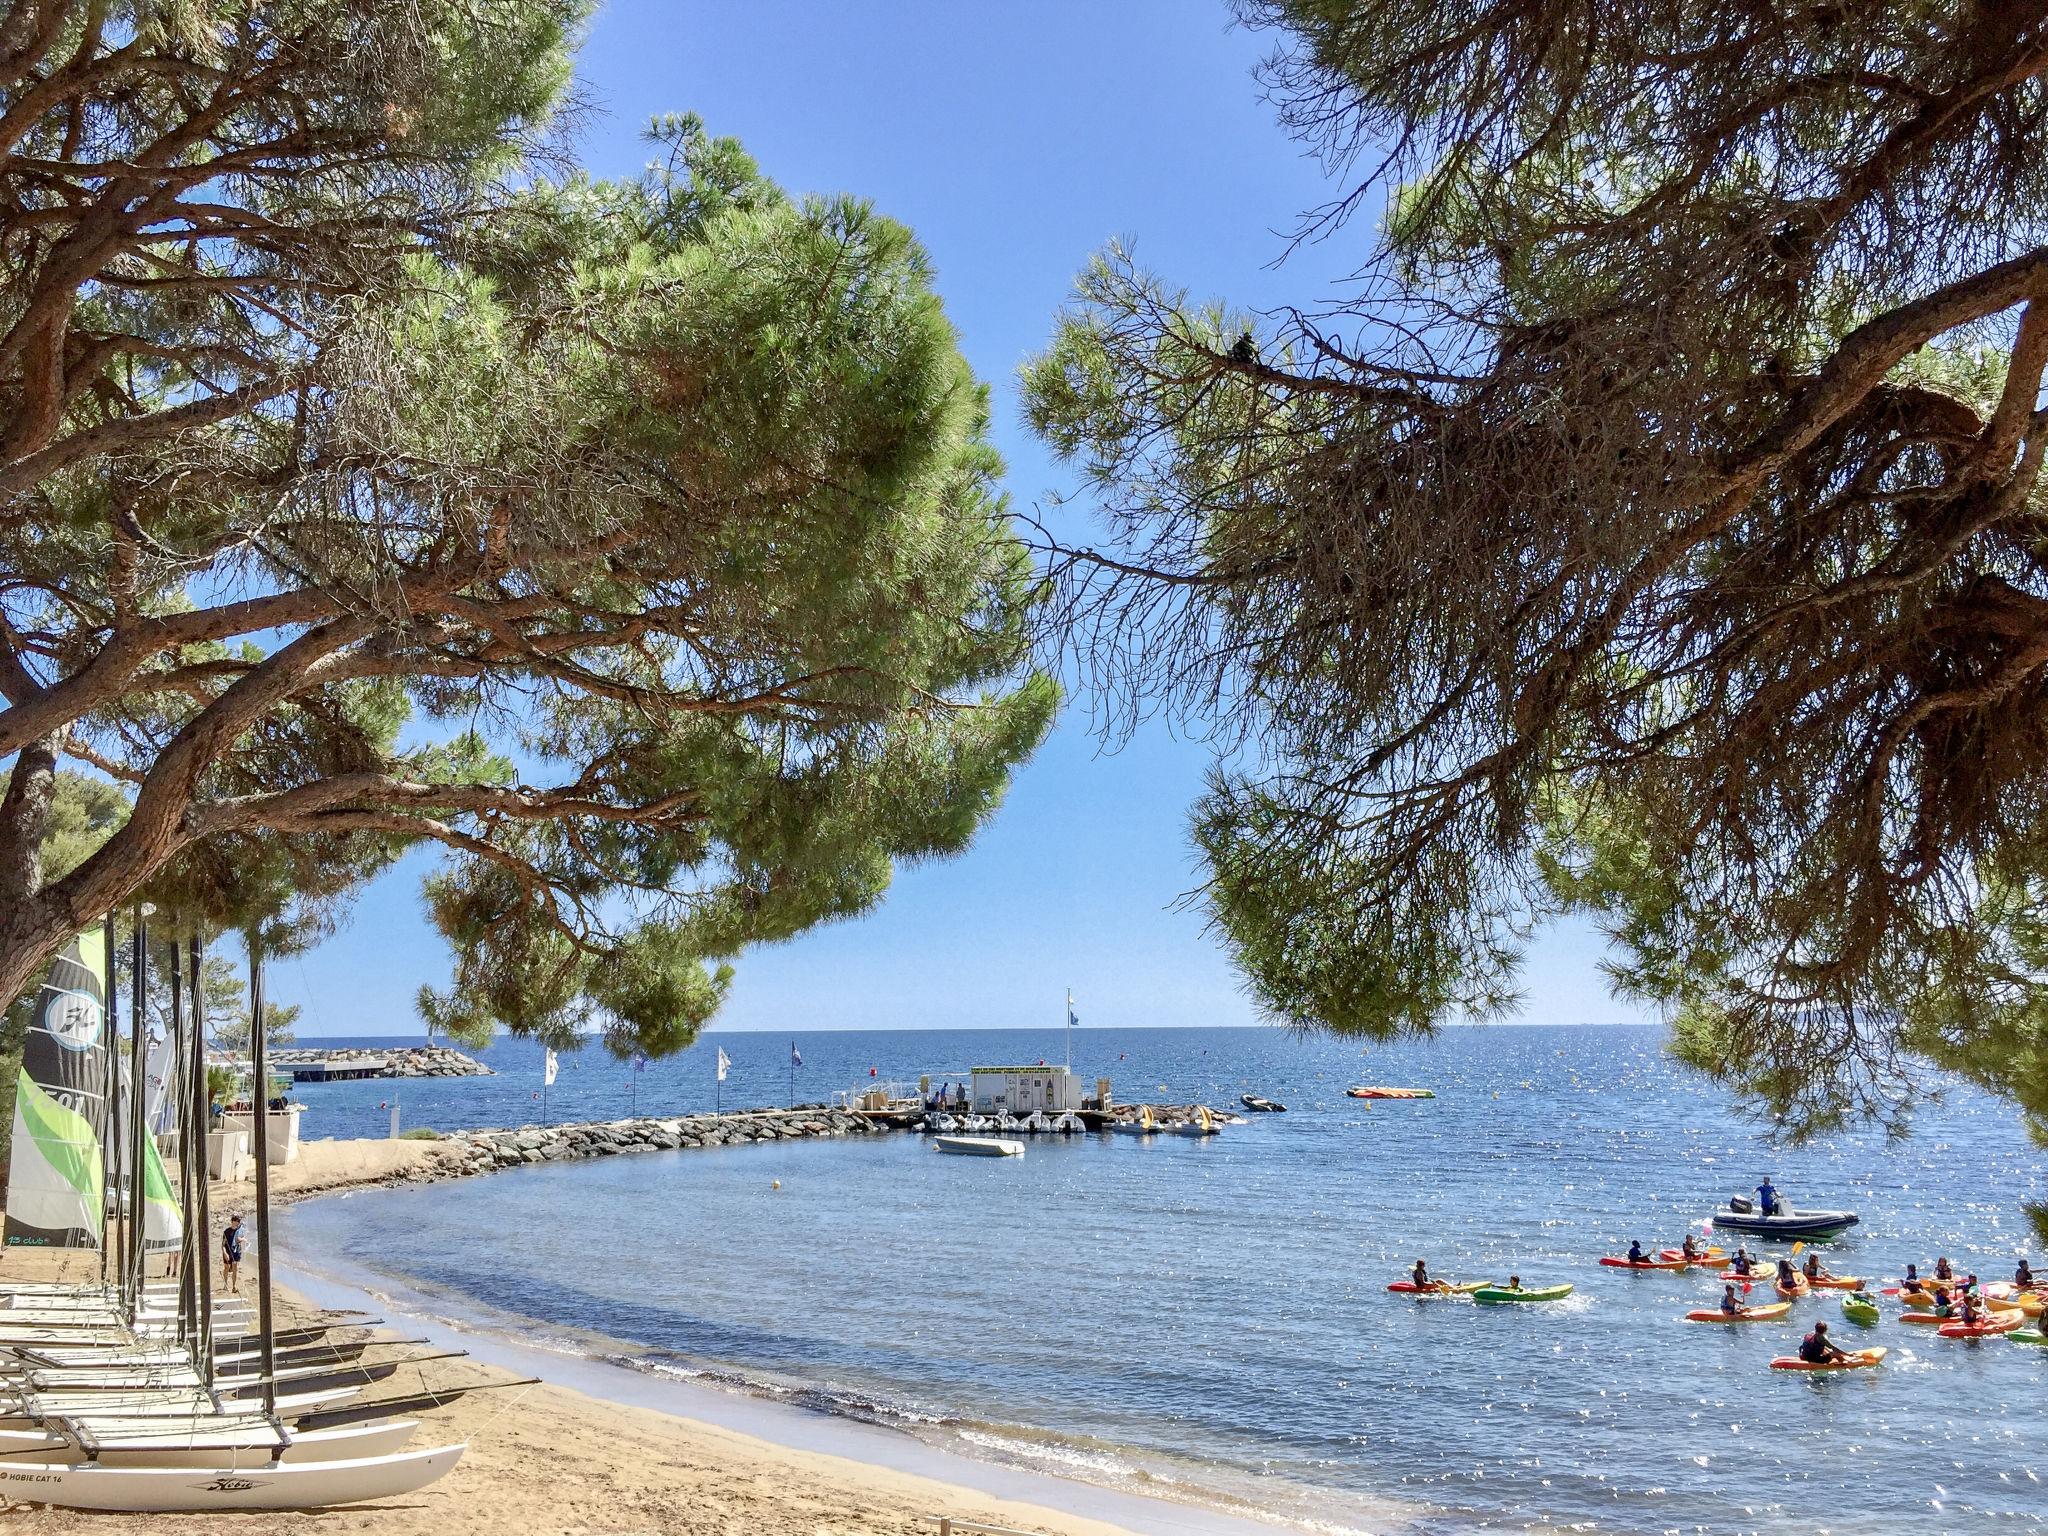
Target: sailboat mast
x: 201, y: 1222
x: 260, y: 1062
x: 138, y: 1265
x: 179, y: 1102
x: 110, y: 1112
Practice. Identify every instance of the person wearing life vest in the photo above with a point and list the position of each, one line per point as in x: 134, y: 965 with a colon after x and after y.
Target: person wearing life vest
x: 1636, y: 1254
x: 1730, y: 1306
x: 1817, y: 1349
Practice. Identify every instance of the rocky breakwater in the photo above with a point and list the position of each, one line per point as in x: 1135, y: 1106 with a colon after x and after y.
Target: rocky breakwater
x: 468, y: 1152
x: 354, y: 1061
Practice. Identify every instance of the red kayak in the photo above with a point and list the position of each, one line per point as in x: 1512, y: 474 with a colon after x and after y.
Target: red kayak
x: 1614, y: 1263
x: 1436, y: 1288
x: 1997, y: 1323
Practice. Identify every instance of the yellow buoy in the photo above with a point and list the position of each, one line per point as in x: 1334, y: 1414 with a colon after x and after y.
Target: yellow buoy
x: 778, y: 1184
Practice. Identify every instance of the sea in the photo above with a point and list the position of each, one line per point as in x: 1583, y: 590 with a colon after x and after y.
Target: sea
x: 1209, y: 1319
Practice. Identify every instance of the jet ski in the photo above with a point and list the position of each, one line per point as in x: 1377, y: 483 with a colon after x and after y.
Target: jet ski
x: 1261, y: 1106
x: 1741, y: 1215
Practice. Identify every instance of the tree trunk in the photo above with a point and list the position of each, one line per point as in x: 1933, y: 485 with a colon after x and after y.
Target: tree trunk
x: 24, y: 821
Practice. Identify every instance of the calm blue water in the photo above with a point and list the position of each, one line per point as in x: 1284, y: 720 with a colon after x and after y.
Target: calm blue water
x: 1213, y: 1314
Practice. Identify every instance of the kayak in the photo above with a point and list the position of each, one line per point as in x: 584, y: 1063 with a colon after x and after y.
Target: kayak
x: 1614, y: 1263
x: 1390, y: 1093
x: 1792, y: 1292
x: 1925, y: 1319
x: 1860, y: 1309
x: 1526, y: 1293
x: 1836, y: 1282
x: 2027, y: 1304
x: 2028, y: 1336
x: 1437, y: 1287
x: 1854, y: 1360
x: 1738, y: 1215
x: 1764, y: 1314
x: 2005, y: 1322
x: 1705, y: 1258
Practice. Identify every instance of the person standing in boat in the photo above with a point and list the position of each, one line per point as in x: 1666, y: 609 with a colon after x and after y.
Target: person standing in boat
x: 231, y: 1255
x: 1767, y: 1197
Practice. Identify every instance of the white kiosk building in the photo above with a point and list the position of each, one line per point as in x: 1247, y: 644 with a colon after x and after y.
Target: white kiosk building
x: 1024, y: 1090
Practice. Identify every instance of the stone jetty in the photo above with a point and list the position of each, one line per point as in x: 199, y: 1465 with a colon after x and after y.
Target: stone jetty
x: 484, y: 1151
x: 355, y: 1062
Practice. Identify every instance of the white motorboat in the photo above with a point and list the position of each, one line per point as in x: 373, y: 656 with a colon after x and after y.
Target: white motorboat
x: 1203, y: 1124
x: 979, y: 1146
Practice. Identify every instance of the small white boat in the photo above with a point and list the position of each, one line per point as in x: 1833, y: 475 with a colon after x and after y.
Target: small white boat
x: 1204, y: 1124
x: 1036, y: 1123
x: 945, y: 1125
x: 1069, y: 1125
x: 245, y: 1443
x: 974, y: 1124
x: 979, y: 1146
x: 305, y: 1485
x: 1142, y: 1126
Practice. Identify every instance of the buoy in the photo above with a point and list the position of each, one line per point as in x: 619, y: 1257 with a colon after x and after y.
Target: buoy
x: 777, y: 1184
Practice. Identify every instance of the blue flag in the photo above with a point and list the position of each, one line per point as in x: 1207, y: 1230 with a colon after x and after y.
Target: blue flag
x: 796, y: 1057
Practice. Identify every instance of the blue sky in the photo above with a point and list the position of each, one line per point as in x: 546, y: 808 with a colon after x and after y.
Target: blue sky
x: 1015, y: 140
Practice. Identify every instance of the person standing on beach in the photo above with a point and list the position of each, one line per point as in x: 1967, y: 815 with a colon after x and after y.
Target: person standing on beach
x: 231, y: 1255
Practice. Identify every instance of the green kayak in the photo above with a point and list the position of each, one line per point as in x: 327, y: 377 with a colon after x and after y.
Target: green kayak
x: 1527, y: 1293
x: 2028, y: 1336
x: 1860, y: 1309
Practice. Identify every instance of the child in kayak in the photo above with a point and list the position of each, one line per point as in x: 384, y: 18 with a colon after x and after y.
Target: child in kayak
x: 1814, y: 1273
x: 1420, y: 1275
x: 1971, y: 1315
x: 1817, y: 1349
x: 1912, y: 1280
x: 1689, y: 1248
x: 1730, y: 1307
x: 1942, y: 1305
x: 1741, y: 1264
x: 1788, y: 1277
x: 2023, y: 1276
x: 1942, y: 1270
x: 1636, y: 1254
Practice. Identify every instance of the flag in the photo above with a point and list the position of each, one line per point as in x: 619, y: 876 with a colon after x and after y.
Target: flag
x: 639, y: 1063
x: 796, y: 1057
x: 549, y: 1069
x: 724, y: 1062
x: 1073, y: 1018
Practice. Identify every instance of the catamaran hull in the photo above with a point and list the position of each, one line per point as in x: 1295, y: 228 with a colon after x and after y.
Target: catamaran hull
x: 166, y: 1490
x: 187, y: 1447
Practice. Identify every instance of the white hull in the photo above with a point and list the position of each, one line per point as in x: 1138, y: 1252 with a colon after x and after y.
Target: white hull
x: 313, y: 1485
x: 978, y: 1146
x: 178, y: 1406
x: 206, y: 1445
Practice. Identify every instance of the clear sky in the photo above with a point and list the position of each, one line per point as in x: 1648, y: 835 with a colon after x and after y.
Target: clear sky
x: 1015, y: 140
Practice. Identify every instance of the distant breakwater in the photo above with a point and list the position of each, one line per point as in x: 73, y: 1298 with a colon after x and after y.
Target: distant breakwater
x: 355, y: 1062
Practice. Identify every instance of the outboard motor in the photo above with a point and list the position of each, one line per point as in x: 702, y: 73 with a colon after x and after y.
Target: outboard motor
x: 1740, y: 1205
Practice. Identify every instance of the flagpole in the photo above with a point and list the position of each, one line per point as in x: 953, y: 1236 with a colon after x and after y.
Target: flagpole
x: 110, y: 1113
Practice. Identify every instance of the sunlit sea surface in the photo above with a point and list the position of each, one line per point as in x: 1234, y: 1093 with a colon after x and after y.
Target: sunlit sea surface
x: 1211, y: 1317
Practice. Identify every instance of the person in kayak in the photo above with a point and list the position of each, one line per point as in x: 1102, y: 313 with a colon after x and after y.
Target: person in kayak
x: 1814, y: 1273
x: 1943, y: 1270
x: 2023, y: 1276
x: 1942, y: 1305
x: 1971, y: 1315
x: 1741, y: 1264
x: 1788, y: 1277
x: 1767, y: 1197
x: 1514, y: 1282
x: 1912, y: 1280
x: 1420, y: 1275
x: 1689, y: 1248
x: 1636, y: 1254
x: 1730, y: 1305
x: 1818, y: 1349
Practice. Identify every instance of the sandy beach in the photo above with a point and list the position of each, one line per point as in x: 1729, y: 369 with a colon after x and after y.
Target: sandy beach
x: 550, y: 1459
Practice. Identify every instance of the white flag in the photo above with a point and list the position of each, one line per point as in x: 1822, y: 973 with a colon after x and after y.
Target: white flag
x: 547, y: 1073
x: 724, y: 1061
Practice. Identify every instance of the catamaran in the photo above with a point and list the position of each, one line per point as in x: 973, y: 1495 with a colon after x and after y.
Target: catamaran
x: 135, y: 1396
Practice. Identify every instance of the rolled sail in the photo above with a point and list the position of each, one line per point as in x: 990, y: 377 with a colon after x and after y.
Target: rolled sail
x: 56, y: 1184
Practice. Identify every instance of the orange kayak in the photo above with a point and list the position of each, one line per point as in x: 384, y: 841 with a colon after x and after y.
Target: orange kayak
x: 1856, y: 1359
x: 1838, y: 1283
x: 1390, y: 1093
x: 1614, y: 1263
x: 1766, y: 1314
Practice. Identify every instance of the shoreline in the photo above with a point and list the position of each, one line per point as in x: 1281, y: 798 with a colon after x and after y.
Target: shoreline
x: 740, y: 1407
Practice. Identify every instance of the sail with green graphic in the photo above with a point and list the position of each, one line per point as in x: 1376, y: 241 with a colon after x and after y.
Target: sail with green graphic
x: 56, y: 1186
